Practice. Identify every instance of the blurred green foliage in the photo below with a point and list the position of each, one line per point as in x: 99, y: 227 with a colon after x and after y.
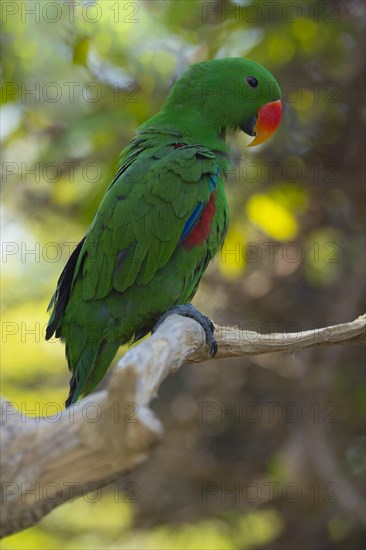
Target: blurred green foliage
x: 77, y: 79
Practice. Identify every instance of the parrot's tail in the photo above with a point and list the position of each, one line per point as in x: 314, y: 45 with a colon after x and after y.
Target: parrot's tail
x: 90, y: 369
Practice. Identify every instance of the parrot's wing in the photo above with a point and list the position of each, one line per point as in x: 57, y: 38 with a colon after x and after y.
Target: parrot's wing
x: 152, y: 205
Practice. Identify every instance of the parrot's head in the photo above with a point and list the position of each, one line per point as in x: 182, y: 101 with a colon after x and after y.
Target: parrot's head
x: 231, y: 93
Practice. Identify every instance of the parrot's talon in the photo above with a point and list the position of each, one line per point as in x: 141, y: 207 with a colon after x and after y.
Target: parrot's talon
x: 187, y: 310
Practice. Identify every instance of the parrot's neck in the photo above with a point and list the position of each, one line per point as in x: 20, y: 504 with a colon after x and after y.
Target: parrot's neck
x: 195, y: 128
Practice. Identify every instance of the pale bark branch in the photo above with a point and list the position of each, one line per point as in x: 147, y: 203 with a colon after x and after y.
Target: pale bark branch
x: 50, y: 460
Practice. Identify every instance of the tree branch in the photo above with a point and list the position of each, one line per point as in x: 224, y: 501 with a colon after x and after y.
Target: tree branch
x: 49, y: 460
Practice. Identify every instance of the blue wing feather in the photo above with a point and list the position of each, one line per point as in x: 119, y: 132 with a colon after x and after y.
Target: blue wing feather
x: 193, y: 219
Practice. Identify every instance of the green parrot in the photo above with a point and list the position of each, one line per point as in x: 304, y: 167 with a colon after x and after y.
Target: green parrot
x: 162, y: 219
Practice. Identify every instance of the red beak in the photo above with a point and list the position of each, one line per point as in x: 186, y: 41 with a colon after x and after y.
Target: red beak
x: 268, y: 119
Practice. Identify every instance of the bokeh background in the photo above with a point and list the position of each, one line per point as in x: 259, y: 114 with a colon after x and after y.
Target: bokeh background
x: 285, y: 468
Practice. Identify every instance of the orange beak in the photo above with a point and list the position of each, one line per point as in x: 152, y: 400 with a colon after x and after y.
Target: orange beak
x: 268, y: 119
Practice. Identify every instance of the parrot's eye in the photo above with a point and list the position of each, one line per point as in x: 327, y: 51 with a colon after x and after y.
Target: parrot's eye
x: 252, y: 81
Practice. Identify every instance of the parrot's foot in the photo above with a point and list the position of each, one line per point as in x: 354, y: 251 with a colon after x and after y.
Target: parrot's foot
x: 187, y: 310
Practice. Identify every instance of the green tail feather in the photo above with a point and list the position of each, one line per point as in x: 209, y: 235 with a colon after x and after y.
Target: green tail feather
x: 90, y: 369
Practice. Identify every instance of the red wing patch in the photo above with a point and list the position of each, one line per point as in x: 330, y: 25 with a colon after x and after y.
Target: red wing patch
x: 203, y: 227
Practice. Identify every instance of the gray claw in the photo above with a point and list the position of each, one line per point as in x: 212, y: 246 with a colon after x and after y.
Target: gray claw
x: 187, y: 310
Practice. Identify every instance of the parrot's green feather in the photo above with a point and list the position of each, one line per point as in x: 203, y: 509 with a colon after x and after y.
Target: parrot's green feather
x: 162, y: 219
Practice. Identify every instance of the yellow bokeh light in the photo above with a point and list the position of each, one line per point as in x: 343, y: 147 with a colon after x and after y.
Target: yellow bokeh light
x: 304, y: 29
x: 231, y: 257
x: 272, y: 217
x: 305, y: 102
x: 25, y: 50
x: 281, y: 50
